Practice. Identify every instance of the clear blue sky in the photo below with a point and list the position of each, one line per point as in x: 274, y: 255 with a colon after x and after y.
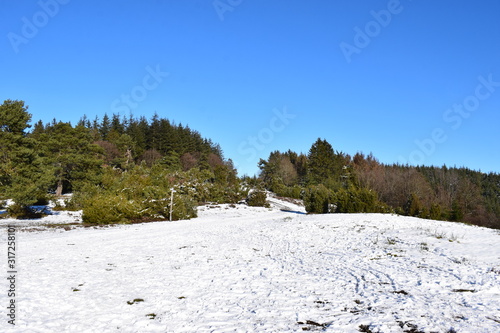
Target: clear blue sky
x: 411, y: 81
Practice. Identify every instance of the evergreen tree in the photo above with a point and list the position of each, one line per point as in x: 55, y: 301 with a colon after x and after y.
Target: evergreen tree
x: 435, y: 212
x: 70, y: 154
x: 105, y: 127
x: 14, y: 117
x: 269, y: 170
x: 171, y: 161
x: 321, y: 162
x: 116, y: 124
x: 154, y: 133
x: 318, y: 200
x: 127, y: 148
x: 22, y: 177
x: 38, y: 129
x: 413, y: 206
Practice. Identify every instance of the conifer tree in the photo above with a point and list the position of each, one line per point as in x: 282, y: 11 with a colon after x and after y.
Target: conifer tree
x: 413, y: 207
x: 321, y: 162
x: 105, y: 127
x: 70, y: 154
x: 116, y: 124
x: 22, y: 176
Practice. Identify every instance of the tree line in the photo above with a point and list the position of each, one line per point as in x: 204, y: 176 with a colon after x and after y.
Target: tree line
x: 331, y: 181
x: 122, y: 169
x: 117, y: 168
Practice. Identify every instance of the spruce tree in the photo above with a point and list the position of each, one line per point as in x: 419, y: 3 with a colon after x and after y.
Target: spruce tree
x: 105, y: 127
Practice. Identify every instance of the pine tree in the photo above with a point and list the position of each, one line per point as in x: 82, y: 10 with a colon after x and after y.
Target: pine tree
x: 321, y: 162
x: 70, y: 154
x: 22, y: 176
x: 14, y: 117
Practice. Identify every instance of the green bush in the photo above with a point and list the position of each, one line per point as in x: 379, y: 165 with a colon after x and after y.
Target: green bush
x: 294, y: 192
x: 354, y: 200
x: 222, y: 194
x: 18, y: 211
x: 413, y: 207
x: 318, y: 200
x: 257, y: 198
x: 110, y: 208
x: 435, y: 212
x: 184, y: 208
x: 142, y: 193
x: 42, y: 200
x: 457, y: 211
x: 79, y: 198
x: 156, y: 204
x: 76, y: 202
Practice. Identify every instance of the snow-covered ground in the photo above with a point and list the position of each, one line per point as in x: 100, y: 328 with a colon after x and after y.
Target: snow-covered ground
x: 53, y: 218
x: 246, y: 269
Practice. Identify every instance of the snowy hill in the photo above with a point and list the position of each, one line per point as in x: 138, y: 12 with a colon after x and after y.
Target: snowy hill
x: 245, y: 269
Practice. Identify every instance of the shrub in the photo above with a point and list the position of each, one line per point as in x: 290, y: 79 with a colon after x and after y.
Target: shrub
x: 110, y: 208
x: 354, y: 200
x: 223, y: 194
x: 435, y: 212
x: 81, y: 197
x: 257, y: 198
x: 76, y: 202
x: 318, y: 199
x: 18, y: 211
x: 294, y: 192
x: 384, y: 208
x: 184, y: 208
x: 42, y: 201
x: 156, y: 204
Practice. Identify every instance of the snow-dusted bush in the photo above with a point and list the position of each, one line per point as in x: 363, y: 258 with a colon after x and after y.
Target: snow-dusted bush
x: 109, y: 208
x: 148, y: 193
x: 257, y: 198
x: 184, y: 208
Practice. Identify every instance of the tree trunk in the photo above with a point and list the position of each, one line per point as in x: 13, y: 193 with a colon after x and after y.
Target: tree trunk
x: 59, y: 189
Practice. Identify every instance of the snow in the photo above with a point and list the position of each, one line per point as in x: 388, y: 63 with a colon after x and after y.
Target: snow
x: 249, y: 269
x: 53, y: 218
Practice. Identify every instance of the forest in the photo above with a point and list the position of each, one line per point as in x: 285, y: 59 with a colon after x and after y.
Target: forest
x: 117, y: 169
x: 125, y: 169
x: 331, y: 181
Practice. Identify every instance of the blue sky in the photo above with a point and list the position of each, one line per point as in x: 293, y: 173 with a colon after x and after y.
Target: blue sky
x: 411, y: 81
